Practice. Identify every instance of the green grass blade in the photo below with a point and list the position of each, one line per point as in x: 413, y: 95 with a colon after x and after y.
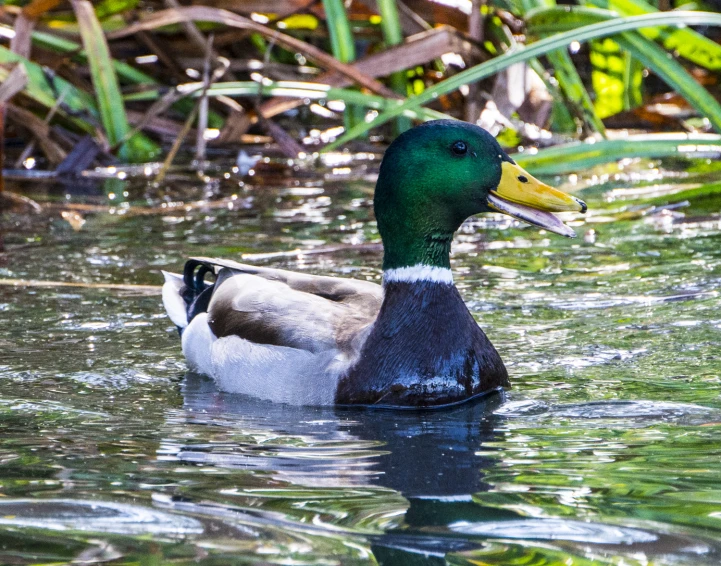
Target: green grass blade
x: 107, y: 90
x: 574, y: 89
x: 689, y: 44
x: 569, y: 80
x: 632, y: 82
x: 647, y: 52
x: 393, y: 35
x: 293, y: 89
x: 46, y: 94
x: 342, y: 47
x: 341, y: 37
x: 541, y: 47
x: 569, y: 158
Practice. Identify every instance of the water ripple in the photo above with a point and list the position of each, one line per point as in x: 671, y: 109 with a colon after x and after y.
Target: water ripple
x: 555, y: 529
x: 94, y: 516
x: 641, y: 409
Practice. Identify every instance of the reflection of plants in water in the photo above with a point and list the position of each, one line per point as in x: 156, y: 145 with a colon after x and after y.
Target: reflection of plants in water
x: 665, y: 473
x: 539, y: 554
x: 627, y: 316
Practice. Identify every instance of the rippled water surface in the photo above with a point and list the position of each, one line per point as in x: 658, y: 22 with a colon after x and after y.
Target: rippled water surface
x: 606, y: 451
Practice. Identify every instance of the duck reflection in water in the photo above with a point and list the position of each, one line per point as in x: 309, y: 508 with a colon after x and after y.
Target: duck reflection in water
x: 425, y: 459
x: 397, y: 484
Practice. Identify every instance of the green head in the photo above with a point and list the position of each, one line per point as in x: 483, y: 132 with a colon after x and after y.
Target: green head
x: 438, y: 174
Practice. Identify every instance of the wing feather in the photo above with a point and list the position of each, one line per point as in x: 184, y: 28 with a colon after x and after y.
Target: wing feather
x: 284, y: 308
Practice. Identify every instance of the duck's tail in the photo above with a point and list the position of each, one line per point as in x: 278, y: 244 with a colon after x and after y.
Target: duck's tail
x: 188, y: 295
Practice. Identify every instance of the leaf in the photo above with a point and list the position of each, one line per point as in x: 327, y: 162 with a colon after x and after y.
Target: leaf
x: 576, y: 95
x: 632, y: 82
x: 294, y: 89
x: 616, y: 78
x: 568, y: 158
x: 393, y: 35
x: 341, y: 37
x: 687, y: 43
x: 542, y: 47
x: 45, y: 89
x: 648, y: 53
x: 343, y: 49
x: 224, y: 17
x: 105, y: 82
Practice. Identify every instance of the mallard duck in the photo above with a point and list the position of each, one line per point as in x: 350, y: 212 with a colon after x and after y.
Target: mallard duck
x: 306, y: 339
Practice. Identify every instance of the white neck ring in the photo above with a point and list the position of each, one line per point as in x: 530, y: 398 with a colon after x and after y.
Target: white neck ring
x: 418, y: 274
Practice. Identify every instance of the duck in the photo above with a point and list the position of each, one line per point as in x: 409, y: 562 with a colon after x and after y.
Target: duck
x: 411, y: 342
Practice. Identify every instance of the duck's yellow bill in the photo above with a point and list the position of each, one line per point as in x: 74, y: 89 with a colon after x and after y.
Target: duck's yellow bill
x: 524, y: 197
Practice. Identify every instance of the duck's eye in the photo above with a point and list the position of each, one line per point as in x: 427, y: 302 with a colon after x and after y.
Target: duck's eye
x: 459, y: 147
x: 523, y: 178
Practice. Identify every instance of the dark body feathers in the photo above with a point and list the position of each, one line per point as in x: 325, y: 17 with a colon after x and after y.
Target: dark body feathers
x: 404, y: 344
x: 424, y: 349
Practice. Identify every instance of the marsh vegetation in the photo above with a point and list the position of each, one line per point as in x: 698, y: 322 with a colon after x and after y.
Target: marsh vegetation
x: 137, y: 134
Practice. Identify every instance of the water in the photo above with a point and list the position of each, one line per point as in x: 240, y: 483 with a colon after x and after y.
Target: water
x: 606, y: 451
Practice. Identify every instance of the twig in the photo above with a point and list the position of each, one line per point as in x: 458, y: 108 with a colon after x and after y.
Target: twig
x: 158, y: 107
x: 15, y: 199
x: 475, y: 31
x: 217, y: 73
x: 13, y: 83
x: 191, y: 30
x: 203, y: 107
x: 155, y: 289
x: 177, y: 143
x: 415, y: 18
x: 229, y: 19
x: 25, y: 22
x: 30, y: 147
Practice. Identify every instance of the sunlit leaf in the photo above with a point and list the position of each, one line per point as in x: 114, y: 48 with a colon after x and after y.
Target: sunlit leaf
x: 646, y: 52
x: 687, y: 43
x: 295, y: 89
x: 570, y: 158
x: 616, y: 78
x: 107, y: 90
x: 576, y: 95
x: 478, y: 72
